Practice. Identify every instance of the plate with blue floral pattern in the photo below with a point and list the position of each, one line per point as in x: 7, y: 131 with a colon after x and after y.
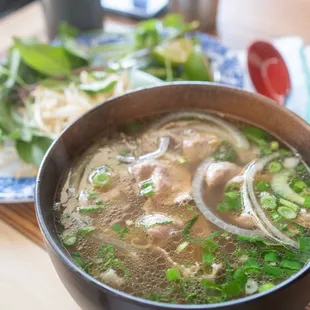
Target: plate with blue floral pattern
x: 17, y: 179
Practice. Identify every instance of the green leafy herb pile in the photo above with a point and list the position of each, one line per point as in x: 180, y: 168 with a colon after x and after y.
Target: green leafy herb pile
x: 168, y: 54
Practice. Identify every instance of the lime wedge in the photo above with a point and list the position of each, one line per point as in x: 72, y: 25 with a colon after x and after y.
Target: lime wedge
x: 197, y: 67
x: 176, y: 51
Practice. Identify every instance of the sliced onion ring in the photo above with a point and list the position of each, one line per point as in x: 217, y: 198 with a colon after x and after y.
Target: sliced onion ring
x: 240, y: 139
x: 249, y: 180
x: 208, y: 214
x: 162, y: 149
x: 248, y: 208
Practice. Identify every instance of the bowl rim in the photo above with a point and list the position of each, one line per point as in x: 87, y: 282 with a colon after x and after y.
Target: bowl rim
x: 60, y: 251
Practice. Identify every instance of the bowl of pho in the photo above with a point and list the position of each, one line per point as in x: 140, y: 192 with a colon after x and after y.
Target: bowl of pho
x: 180, y: 196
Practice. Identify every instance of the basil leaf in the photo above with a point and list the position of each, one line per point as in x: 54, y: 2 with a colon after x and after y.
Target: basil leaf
x: 33, y: 151
x: 47, y: 59
x: 78, y: 56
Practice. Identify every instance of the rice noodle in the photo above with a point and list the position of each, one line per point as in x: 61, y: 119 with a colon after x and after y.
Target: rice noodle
x: 208, y: 214
x: 249, y: 180
x: 162, y: 149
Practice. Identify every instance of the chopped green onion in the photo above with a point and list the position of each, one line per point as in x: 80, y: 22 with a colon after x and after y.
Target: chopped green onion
x: 274, y: 145
x: 173, y: 274
x: 182, y: 160
x: 271, y: 256
x: 181, y: 247
x: 225, y: 152
x: 69, y: 240
x: 232, y: 200
x: 304, y: 244
x: 301, y: 169
x: 222, y: 207
x: 92, y: 195
x: 285, y: 153
x: 287, y: 213
x: 232, y: 187
x: 290, y: 264
x: 146, y: 183
x: 240, y: 276
x: 259, y: 137
x: 210, y: 246
x: 252, y: 266
x: 189, y: 207
x: 210, y: 284
x: 78, y: 260
x: 232, y: 289
x: 299, y: 186
x: 148, y: 191
x: 147, y: 187
x: 274, y: 167
x: 289, y: 204
x: 106, y: 252
x: 262, y: 186
x: 208, y: 258
x: 85, y: 230
x: 273, y: 271
x: 265, y: 287
x: 101, y: 179
x: 276, y: 217
x: 160, y: 223
x: 120, y: 230
x: 268, y: 201
x: 254, y: 133
x: 90, y: 209
x: 307, y: 202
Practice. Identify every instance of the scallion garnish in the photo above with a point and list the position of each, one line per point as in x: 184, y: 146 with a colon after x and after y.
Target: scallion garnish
x: 173, y: 274
x: 262, y: 186
x: 85, y: 230
x: 181, y: 247
x: 121, y: 231
x: 90, y: 209
x: 274, y: 167
x: 290, y: 264
x: 101, y: 179
x: 69, y: 240
x: 268, y: 201
x: 147, y: 187
x: 287, y: 212
x: 265, y: 287
x: 304, y: 244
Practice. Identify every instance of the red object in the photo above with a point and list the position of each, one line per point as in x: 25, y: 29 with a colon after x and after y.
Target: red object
x: 268, y: 71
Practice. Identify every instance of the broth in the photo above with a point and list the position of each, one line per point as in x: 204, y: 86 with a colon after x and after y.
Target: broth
x: 188, y: 208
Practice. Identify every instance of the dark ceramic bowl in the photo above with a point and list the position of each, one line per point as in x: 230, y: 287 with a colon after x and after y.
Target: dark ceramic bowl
x: 293, y: 294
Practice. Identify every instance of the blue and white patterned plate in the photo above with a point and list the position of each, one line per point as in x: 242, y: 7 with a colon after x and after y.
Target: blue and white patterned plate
x: 13, y: 190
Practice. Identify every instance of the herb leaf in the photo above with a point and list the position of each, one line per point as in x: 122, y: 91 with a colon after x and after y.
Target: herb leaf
x: 98, y: 87
x: 47, y: 59
x: 33, y: 151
